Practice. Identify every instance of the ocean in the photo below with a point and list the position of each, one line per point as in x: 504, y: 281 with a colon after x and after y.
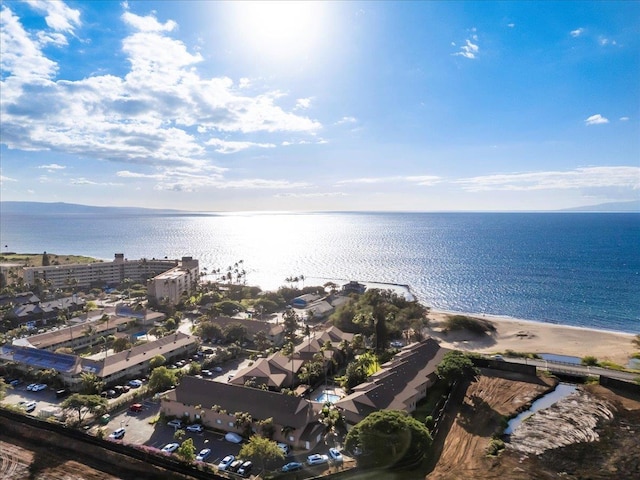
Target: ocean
x: 580, y: 269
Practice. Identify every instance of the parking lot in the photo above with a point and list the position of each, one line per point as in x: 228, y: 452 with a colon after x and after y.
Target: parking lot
x: 143, y: 427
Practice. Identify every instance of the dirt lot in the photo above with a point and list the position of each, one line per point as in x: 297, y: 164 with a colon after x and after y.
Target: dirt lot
x: 18, y: 461
x: 464, y: 455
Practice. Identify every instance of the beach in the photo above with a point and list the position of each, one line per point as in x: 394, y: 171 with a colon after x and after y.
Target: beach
x: 535, y: 337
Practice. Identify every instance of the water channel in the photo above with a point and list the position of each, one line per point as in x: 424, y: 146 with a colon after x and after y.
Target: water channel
x: 561, y: 391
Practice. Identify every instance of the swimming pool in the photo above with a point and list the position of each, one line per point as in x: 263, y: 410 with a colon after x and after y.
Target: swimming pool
x: 328, y: 396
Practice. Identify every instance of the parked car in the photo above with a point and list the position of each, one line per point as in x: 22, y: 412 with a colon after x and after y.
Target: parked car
x: 29, y: 407
x: 245, y: 468
x: 284, y: 447
x: 196, y: 427
x: 317, y: 459
x: 175, y: 423
x: 217, y: 369
x: 335, y: 455
x: 39, y: 387
x: 104, y: 419
x: 203, y: 455
x: 292, y: 467
x: 136, y: 407
x: 207, y: 373
x: 63, y: 392
x: 235, y: 465
x: 225, y: 462
x: 135, y: 383
x: 117, y: 434
x: 500, y: 358
x: 170, y: 447
x: 30, y: 386
x: 15, y: 383
x: 233, y: 437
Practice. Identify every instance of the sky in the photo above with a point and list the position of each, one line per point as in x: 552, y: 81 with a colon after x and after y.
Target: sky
x: 317, y: 106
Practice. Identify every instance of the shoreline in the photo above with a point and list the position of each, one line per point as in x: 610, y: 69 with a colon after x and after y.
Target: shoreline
x: 532, y: 336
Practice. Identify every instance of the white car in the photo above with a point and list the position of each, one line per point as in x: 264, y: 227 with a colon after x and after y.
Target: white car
x: 39, y: 387
x: 29, y: 406
x: 335, y: 455
x: 317, y: 459
x: 203, y: 455
x: 170, y: 447
x: 175, y: 423
x: 117, y: 434
x: 196, y: 427
x: 31, y: 386
x: 225, y: 462
x: 284, y: 447
x: 135, y: 383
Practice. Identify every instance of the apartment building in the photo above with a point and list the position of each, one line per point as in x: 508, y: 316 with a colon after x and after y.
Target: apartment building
x: 169, y: 286
x: 85, y: 275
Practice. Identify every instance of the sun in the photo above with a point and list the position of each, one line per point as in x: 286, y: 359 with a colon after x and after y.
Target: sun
x: 279, y: 30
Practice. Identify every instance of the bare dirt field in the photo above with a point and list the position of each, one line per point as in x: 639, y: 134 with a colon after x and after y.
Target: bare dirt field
x: 615, y: 455
x: 21, y: 461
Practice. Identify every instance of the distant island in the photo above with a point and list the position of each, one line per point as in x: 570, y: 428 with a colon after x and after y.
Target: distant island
x: 44, y: 208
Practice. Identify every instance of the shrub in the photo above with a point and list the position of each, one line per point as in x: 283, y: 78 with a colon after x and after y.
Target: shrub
x: 590, y: 361
x: 462, y: 322
x: 495, y: 446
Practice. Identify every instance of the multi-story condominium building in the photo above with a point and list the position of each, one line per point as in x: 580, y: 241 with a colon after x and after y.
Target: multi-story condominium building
x: 98, y: 273
x: 169, y: 286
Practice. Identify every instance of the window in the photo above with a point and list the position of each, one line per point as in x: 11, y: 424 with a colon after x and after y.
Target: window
x: 219, y: 422
x: 231, y: 424
x: 292, y: 438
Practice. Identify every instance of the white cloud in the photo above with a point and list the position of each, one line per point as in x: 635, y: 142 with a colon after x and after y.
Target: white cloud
x: 22, y: 61
x: 606, y: 41
x: 52, y: 166
x: 624, y: 119
x: 424, y: 180
x: 84, y: 181
x: 148, y: 23
x: 587, y: 177
x: 511, y: 25
x: 311, y: 195
x: 577, y: 32
x: 4, y: 178
x: 224, y: 146
x: 58, y: 16
x: 160, y: 113
x: 244, y: 83
x: 302, y: 103
x: 596, y: 119
x: 469, y: 49
x: 347, y: 119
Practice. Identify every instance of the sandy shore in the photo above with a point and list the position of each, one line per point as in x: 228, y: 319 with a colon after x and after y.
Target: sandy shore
x: 537, y: 337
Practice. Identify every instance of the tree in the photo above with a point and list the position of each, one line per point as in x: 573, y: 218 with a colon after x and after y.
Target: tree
x: 387, y: 438
x: 454, y: 365
x: 162, y: 379
x: 3, y: 388
x: 208, y: 329
x: 121, y: 344
x: 290, y: 323
x: 261, y: 449
x: 157, y: 361
x: 267, y: 428
x: 235, y: 332
x: 187, y: 451
x: 84, y: 404
x: 91, y: 383
x: 261, y: 341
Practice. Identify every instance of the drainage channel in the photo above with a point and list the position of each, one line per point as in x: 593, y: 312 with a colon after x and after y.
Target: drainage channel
x: 561, y: 391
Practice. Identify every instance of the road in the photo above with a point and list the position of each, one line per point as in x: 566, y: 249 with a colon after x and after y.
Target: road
x: 573, y: 369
